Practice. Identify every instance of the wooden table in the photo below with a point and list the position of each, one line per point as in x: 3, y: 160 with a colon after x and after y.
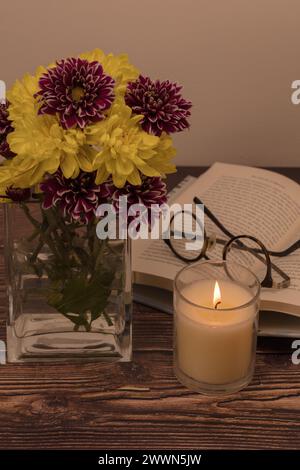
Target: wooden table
x: 140, y: 405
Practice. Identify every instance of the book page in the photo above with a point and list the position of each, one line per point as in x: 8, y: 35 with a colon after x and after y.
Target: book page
x: 246, y: 200
x: 253, y: 201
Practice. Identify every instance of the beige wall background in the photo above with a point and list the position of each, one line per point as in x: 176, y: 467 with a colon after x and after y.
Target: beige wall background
x: 235, y: 58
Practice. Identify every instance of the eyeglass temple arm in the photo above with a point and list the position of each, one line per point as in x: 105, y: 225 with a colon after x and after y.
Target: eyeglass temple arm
x: 213, y: 218
x: 295, y: 246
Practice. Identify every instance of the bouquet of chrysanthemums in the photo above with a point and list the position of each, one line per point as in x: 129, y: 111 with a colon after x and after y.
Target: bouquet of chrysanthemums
x: 83, y: 131
x: 85, y: 121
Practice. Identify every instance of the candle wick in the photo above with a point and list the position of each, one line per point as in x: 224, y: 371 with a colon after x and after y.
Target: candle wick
x: 216, y: 305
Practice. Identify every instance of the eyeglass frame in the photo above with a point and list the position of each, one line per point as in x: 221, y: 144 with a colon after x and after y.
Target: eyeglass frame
x: 210, y: 241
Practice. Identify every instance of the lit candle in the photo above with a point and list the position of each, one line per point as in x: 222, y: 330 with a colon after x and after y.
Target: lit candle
x: 214, y: 338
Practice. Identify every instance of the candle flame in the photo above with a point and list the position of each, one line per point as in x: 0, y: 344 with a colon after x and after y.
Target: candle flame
x: 217, y: 295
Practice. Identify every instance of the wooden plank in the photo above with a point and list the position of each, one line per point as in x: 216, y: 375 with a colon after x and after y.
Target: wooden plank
x: 87, y: 406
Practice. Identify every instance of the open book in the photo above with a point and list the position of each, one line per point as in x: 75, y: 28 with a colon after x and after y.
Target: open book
x: 247, y: 201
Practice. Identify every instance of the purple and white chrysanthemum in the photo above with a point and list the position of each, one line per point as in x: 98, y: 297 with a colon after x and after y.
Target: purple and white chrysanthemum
x: 77, y: 90
x: 161, y: 104
x: 152, y: 193
x: 77, y: 198
x: 5, y: 129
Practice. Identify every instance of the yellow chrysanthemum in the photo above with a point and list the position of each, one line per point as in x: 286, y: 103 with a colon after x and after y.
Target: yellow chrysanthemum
x: 42, y: 146
x: 126, y: 150
x: 116, y: 66
x: 21, y: 100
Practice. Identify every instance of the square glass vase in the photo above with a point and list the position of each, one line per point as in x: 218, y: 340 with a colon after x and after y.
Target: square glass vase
x: 70, y: 293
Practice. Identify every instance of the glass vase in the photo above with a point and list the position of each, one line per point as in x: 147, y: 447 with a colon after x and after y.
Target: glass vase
x: 69, y: 292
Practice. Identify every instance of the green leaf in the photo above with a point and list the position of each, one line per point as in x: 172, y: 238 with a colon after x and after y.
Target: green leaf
x: 81, y: 295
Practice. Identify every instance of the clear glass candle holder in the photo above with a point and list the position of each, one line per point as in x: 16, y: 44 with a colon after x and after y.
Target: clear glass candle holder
x: 216, y: 306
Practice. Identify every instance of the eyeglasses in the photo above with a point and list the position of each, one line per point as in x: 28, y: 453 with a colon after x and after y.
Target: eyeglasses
x: 244, y: 249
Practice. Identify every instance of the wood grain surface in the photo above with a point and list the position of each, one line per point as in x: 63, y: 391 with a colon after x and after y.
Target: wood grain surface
x: 141, y: 405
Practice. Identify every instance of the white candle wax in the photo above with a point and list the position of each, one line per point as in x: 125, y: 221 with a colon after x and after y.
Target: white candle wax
x: 214, y: 346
